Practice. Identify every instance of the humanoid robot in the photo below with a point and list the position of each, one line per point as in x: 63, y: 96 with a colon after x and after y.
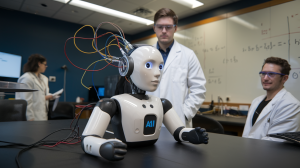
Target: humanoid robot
x: 136, y: 118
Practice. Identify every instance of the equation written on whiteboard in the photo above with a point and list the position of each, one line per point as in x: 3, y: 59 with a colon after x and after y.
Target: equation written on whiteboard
x: 195, y: 42
x: 270, y: 46
x: 230, y: 60
x: 214, y: 80
x: 211, y: 49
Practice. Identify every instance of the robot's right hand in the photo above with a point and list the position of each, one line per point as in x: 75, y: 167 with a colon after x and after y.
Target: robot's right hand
x: 113, y: 150
x: 110, y: 149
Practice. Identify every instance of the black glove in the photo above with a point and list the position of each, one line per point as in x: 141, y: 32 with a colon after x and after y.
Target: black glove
x: 113, y: 150
x: 196, y: 136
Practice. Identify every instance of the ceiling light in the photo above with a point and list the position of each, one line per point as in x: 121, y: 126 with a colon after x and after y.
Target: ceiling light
x: 189, y: 3
x: 107, y: 11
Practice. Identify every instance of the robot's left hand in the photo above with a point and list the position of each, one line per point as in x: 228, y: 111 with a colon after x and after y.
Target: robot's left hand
x: 198, y: 136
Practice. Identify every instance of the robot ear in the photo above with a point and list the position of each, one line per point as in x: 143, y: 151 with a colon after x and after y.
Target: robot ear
x: 126, y: 66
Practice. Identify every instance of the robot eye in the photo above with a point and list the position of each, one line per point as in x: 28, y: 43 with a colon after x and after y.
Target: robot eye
x: 148, y: 65
x: 161, y: 66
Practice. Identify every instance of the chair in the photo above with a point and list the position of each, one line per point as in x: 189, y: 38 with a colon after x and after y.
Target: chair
x: 13, y: 110
x: 63, y: 110
x: 209, y: 124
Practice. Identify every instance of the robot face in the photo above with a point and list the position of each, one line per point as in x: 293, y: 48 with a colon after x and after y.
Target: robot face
x: 148, y: 66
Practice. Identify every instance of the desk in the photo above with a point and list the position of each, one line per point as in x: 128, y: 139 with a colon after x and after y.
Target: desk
x: 222, y: 151
x: 232, y: 124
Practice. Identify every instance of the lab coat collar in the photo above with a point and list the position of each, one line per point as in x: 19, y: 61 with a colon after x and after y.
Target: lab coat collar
x: 36, y: 80
x: 270, y: 105
x: 175, y: 51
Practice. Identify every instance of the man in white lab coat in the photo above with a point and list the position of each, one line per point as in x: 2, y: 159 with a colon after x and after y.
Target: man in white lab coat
x: 183, y: 81
x: 276, y: 112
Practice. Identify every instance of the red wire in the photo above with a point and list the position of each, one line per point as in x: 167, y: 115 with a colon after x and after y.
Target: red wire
x: 96, y: 43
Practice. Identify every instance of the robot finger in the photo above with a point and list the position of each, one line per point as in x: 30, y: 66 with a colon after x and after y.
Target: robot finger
x: 119, y: 145
x: 205, y: 134
x: 120, y: 151
x: 118, y: 157
x: 203, y: 130
x: 198, y: 129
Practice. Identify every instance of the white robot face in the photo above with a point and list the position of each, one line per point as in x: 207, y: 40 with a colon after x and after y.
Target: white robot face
x: 148, y: 66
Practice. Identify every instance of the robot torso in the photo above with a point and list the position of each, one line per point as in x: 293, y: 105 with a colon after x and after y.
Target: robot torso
x: 138, y: 121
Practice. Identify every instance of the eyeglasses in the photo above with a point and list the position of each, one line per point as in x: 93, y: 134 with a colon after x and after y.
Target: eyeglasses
x: 161, y: 27
x: 45, y: 64
x: 270, y: 74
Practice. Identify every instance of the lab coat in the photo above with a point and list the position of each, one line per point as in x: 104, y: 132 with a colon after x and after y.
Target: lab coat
x: 37, y: 105
x: 182, y: 82
x: 282, y: 114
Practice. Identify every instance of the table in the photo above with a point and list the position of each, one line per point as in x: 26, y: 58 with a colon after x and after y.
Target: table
x: 222, y: 151
x: 232, y: 124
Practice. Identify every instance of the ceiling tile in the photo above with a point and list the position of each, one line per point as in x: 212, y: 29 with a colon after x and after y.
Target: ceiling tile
x: 68, y: 17
x: 140, y: 2
x: 73, y: 10
x: 211, y: 4
x: 37, y: 10
x: 128, y: 24
x: 96, y: 18
x: 177, y: 8
x: 121, y: 5
x: 99, y: 2
x: 13, y: 4
x: 51, y: 5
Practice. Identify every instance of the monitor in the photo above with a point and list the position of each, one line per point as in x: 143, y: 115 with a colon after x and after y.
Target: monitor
x: 101, y: 91
x: 10, y: 65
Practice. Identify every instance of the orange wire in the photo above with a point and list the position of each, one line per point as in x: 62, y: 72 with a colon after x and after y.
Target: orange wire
x: 127, y: 79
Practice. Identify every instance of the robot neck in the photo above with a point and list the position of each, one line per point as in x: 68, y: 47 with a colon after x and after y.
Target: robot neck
x: 140, y: 96
x: 135, y: 89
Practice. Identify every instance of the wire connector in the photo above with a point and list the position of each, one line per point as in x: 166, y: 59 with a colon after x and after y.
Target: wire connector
x: 123, y: 53
x: 128, y: 44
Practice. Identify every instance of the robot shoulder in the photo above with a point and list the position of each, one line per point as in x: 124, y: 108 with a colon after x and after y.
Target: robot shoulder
x: 108, y: 105
x: 167, y: 105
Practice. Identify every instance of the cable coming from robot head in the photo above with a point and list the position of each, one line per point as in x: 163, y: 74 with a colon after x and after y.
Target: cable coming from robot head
x: 128, y: 47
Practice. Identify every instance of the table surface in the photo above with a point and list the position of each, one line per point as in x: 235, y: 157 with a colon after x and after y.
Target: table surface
x: 222, y: 150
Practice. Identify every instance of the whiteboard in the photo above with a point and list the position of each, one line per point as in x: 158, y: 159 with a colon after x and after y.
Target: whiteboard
x: 232, y: 51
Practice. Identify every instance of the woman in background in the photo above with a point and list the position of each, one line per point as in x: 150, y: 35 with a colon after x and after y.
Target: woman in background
x: 37, y: 102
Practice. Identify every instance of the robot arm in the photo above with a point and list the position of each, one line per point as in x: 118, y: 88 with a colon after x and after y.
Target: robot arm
x: 92, y: 141
x: 177, y: 129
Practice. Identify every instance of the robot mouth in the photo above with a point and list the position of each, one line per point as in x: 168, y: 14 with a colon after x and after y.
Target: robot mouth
x: 155, y: 82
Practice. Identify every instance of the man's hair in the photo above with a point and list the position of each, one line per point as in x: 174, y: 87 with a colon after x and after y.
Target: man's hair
x: 32, y: 64
x: 285, y: 66
x: 166, y: 12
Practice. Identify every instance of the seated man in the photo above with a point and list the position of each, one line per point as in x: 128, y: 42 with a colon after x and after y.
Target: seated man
x: 279, y: 110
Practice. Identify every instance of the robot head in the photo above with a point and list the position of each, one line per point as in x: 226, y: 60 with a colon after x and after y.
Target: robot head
x: 144, y: 67
x: 148, y: 66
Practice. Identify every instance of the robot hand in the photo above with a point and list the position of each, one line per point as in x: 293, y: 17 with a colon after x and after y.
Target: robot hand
x: 113, y: 150
x: 110, y: 149
x: 195, y: 136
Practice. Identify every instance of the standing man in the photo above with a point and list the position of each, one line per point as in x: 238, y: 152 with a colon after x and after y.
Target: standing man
x: 183, y: 81
x: 276, y: 112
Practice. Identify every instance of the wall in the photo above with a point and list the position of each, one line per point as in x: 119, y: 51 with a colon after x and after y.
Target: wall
x: 232, y: 52
x: 25, y: 34
x: 207, y: 14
